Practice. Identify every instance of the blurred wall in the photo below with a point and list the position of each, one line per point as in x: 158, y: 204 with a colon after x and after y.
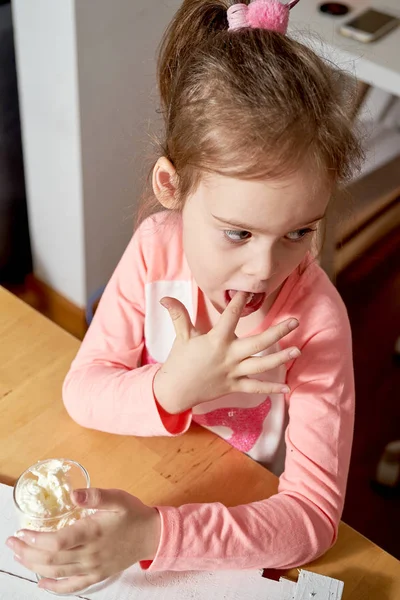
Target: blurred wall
x: 86, y: 71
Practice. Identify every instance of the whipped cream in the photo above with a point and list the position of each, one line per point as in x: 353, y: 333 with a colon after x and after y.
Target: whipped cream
x: 49, y: 494
x: 43, y: 495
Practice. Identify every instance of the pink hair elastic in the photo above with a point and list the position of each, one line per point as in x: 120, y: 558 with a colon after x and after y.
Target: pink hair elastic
x: 263, y: 14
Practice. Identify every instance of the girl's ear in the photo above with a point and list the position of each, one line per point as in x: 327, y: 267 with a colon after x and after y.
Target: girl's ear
x: 165, y: 183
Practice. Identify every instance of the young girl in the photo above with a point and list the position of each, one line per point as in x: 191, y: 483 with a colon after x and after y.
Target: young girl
x: 218, y: 312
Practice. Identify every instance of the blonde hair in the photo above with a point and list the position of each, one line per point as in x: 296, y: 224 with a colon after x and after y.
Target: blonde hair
x: 250, y: 103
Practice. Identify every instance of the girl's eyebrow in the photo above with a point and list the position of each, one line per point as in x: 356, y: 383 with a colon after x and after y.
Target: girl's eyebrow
x: 247, y: 227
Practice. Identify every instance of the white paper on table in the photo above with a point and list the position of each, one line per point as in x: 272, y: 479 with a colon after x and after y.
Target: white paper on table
x: 15, y: 588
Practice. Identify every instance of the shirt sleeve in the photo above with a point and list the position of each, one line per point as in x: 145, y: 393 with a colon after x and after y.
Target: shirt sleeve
x: 300, y: 522
x: 106, y: 388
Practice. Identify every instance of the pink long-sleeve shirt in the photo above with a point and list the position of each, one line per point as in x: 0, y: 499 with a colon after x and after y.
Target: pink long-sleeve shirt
x: 304, y: 436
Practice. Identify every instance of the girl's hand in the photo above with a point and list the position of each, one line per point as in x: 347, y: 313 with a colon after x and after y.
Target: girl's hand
x: 202, y: 367
x: 121, y: 533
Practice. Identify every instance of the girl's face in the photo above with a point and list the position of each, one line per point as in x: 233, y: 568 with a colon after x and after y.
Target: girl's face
x: 250, y: 235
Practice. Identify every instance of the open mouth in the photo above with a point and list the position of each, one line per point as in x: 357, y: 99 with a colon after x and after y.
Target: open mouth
x: 254, y: 300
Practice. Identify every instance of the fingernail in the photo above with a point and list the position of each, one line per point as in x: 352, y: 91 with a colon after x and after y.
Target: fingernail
x: 295, y: 353
x: 285, y: 389
x: 20, y: 534
x: 10, y: 542
x: 17, y: 557
x: 293, y: 324
x: 80, y: 496
x: 164, y: 302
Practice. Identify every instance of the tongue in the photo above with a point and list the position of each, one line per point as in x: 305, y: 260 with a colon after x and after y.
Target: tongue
x: 250, y: 296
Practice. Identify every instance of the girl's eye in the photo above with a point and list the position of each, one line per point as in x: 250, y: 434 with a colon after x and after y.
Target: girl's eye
x: 299, y: 234
x: 234, y: 235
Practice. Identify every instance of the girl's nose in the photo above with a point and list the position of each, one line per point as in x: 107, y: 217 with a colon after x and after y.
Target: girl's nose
x: 261, y: 264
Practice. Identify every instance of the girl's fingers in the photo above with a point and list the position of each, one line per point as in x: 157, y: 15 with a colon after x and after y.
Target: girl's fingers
x: 255, y: 386
x: 260, y: 364
x: 82, y: 532
x: 229, y: 319
x: 179, y: 316
x: 29, y: 555
x: 53, y: 571
x: 258, y: 343
x: 73, y: 584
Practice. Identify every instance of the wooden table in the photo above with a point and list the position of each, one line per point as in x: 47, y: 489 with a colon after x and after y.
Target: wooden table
x: 198, y: 467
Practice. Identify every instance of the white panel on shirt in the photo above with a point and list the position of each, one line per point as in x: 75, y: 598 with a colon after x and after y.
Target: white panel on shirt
x: 159, y: 331
x: 159, y: 337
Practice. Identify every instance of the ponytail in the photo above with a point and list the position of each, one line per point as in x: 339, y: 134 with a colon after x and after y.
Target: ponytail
x: 194, y: 22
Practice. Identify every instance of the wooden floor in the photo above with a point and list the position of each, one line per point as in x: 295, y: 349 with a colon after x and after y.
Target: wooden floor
x: 371, y: 291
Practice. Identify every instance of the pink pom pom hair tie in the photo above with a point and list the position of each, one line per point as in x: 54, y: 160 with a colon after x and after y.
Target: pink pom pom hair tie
x: 263, y: 14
